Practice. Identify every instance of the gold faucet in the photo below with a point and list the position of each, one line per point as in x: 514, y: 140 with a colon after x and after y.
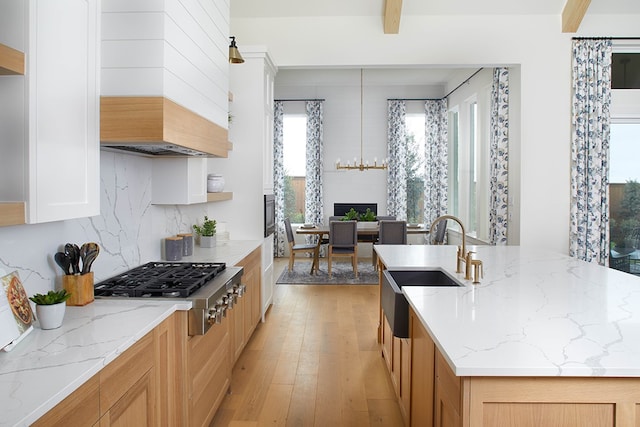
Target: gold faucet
x: 462, y: 255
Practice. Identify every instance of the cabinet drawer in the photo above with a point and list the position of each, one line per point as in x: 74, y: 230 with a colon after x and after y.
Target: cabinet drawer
x: 80, y: 408
x: 120, y: 375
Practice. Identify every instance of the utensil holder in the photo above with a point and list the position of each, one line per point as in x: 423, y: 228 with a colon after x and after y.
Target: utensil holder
x: 80, y: 286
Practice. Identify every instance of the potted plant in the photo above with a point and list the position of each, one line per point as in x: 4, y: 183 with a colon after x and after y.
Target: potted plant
x: 369, y: 215
x: 50, y: 308
x: 351, y: 215
x: 367, y: 219
x: 207, y: 232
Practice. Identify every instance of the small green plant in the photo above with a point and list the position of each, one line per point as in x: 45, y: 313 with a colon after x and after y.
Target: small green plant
x: 207, y: 229
x: 352, y: 215
x: 51, y: 297
x: 369, y: 215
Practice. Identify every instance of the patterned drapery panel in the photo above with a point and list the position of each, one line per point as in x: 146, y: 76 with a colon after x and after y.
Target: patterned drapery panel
x: 397, y: 171
x: 435, y: 189
x: 589, y: 228
x: 499, y: 158
x: 314, y: 200
x: 278, y: 179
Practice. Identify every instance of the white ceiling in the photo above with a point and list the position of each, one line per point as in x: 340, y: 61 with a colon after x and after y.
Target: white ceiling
x: 426, y: 76
x: 291, y: 8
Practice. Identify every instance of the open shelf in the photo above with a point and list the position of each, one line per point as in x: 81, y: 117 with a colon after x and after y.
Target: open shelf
x: 11, y: 213
x: 218, y: 197
x: 11, y: 61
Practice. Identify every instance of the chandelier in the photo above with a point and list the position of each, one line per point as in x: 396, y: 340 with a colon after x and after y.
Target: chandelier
x: 363, y: 165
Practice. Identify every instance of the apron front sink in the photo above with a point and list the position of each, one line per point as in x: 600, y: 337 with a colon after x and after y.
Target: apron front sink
x: 394, y: 303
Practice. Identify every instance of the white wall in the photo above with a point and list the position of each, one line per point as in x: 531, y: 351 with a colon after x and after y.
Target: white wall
x: 536, y: 43
x: 129, y: 228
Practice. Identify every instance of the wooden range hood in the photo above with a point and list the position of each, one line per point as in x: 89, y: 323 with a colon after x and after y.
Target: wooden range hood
x: 157, y: 126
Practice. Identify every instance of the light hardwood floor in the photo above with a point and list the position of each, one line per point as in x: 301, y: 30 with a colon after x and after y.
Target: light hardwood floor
x: 314, y: 362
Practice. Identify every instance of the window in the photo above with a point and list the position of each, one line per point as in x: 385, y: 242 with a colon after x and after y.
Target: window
x: 625, y: 70
x: 624, y: 191
x: 469, y: 163
x: 454, y: 179
x: 415, y: 131
x: 294, y: 135
x: 473, y: 176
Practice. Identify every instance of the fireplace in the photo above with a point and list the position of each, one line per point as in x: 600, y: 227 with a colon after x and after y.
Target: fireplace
x: 340, y: 209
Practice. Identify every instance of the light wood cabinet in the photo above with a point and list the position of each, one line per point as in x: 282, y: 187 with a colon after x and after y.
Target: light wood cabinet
x: 142, y: 386
x: 440, y: 398
x: 208, y: 372
x: 448, y: 397
x: 397, y: 355
x: 236, y: 328
x: 170, y: 362
x: 127, y: 386
x: 252, y: 277
x: 80, y: 408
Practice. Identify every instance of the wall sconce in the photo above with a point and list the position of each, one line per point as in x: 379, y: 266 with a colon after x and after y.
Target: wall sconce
x: 234, y: 53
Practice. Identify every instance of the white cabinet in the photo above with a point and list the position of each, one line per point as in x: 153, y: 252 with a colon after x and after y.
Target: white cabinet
x: 269, y: 77
x: 179, y: 181
x: 52, y: 144
x: 248, y: 171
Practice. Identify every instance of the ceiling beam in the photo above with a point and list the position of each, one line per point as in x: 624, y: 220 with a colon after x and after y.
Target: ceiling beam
x: 392, y: 11
x: 572, y: 14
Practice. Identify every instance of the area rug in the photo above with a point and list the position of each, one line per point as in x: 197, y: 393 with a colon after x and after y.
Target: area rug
x: 341, y: 274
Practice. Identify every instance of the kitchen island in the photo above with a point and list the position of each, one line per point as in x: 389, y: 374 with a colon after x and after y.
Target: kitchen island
x: 542, y: 335
x: 50, y: 365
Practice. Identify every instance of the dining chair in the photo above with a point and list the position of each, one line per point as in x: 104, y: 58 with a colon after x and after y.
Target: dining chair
x: 343, y: 242
x: 392, y: 232
x: 294, y: 248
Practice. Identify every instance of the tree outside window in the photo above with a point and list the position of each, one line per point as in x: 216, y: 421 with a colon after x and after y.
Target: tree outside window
x: 415, y: 167
x: 294, y: 133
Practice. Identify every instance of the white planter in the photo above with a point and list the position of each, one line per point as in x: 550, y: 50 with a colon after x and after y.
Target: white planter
x: 207, y: 241
x: 367, y: 224
x: 50, y: 316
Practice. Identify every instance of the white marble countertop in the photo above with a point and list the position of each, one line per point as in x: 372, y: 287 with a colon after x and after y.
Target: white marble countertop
x: 533, y: 314
x: 48, y: 365
x: 229, y: 251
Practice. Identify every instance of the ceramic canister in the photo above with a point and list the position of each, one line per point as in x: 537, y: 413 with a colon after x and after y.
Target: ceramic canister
x: 215, y: 183
x: 173, y: 248
x: 187, y: 244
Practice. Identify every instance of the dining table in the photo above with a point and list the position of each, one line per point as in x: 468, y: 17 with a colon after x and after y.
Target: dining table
x: 367, y: 233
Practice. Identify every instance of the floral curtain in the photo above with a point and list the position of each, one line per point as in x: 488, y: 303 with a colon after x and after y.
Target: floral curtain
x: 499, y: 157
x: 397, y: 154
x: 314, y: 200
x: 435, y: 189
x: 589, y: 228
x: 278, y: 179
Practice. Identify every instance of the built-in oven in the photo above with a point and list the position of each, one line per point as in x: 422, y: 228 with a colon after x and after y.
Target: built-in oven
x: 269, y: 214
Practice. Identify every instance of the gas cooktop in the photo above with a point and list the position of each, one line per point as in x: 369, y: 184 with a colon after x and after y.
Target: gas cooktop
x: 160, y: 279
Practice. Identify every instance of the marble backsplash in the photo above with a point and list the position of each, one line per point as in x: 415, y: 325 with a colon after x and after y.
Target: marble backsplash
x: 129, y: 228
